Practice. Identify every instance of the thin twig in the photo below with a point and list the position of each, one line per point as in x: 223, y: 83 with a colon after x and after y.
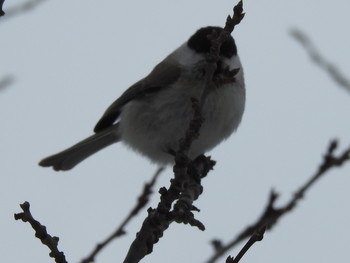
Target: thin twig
x: 1, y: 11
x: 216, y: 41
x: 256, y: 237
x: 271, y: 215
x: 142, y: 201
x: 318, y: 59
x: 6, y: 81
x: 20, y: 9
x: 41, y: 233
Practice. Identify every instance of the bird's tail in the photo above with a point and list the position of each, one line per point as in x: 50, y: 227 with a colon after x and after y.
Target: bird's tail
x: 70, y: 157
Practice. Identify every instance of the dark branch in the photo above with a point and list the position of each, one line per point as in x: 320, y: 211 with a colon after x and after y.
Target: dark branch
x: 41, y: 233
x: 186, y: 186
x: 322, y: 62
x: 256, y: 237
x: 21, y: 8
x: 142, y: 201
x: 216, y: 41
x: 1, y: 10
x: 271, y: 215
x: 6, y: 81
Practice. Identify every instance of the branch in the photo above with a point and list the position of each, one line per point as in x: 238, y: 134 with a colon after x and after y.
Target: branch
x: 186, y: 186
x: 21, y: 8
x: 216, y: 41
x: 1, y: 11
x: 40, y: 232
x: 6, y: 81
x: 271, y: 215
x: 142, y: 201
x: 256, y: 237
x: 317, y: 58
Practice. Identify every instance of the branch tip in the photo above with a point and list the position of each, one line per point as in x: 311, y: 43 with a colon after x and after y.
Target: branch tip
x: 41, y: 233
x: 229, y: 259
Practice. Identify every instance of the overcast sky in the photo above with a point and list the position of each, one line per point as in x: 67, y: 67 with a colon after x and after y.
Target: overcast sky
x: 71, y: 59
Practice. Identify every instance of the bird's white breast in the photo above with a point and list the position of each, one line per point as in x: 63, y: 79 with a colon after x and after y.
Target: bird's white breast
x: 153, y: 125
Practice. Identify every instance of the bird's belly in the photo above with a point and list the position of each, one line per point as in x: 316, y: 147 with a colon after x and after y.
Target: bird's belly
x: 155, y: 125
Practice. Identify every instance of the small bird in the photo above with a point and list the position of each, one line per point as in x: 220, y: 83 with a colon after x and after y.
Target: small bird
x: 153, y: 114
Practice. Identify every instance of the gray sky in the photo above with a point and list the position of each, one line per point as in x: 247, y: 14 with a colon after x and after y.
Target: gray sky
x: 71, y: 59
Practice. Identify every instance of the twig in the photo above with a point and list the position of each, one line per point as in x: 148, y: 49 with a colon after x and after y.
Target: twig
x: 256, y: 237
x: 21, y: 8
x: 216, y: 41
x: 271, y: 215
x: 41, y: 233
x: 322, y: 62
x: 142, y: 201
x: 6, y: 81
x: 1, y: 11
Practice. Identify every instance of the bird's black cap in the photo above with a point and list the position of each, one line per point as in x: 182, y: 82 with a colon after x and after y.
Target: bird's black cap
x: 201, y: 44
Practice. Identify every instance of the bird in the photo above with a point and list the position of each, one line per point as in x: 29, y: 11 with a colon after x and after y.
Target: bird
x: 153, y: 114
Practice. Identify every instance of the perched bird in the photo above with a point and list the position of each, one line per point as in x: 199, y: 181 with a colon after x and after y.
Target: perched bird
x: 154, y: 113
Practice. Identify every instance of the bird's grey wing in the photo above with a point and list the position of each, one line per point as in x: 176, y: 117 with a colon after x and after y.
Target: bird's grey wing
x: 162, y: 75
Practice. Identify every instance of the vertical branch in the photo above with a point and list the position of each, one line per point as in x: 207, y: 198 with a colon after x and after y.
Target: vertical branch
x: 216, y: 41
x: 186, y: 186
x: 1, y: 5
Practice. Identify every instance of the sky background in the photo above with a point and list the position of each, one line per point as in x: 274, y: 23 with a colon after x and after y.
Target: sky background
x: 71, y: 59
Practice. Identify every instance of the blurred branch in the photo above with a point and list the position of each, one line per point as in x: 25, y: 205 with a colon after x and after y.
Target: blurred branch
x: 142, y: 201
x: 6, y: 81
x: 271, y: 215
x: 316, y: 57
x: 20, y: 8
x: 1, y: 4
x: 40, y: 232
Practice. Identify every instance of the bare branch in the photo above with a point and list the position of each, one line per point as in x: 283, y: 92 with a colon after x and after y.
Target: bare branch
x: 6, y: 81
x: 40, y: 232
x: 257, y: 236
x: 1, y: 11
x: 186, y: 186
x: 216, y: 41
x: 142, y: 201
x: 271, y: 215
x: 21, y: 8
x: 322, y: 62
